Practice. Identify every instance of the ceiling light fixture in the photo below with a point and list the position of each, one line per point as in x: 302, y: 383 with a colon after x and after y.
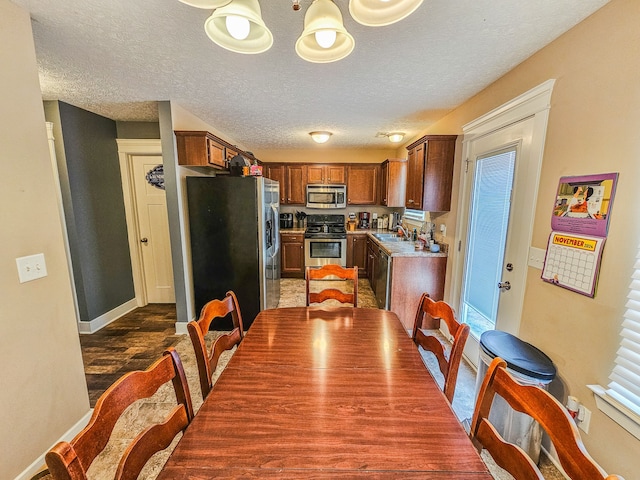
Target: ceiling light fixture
x: 320, y: 137
x: 237, y: 25
x: 394, y: 137
x: 324, y: 38
x: 208, y: 4
x: 378, y: 13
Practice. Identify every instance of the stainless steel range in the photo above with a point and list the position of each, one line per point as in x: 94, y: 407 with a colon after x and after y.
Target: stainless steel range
x: 325, y: 241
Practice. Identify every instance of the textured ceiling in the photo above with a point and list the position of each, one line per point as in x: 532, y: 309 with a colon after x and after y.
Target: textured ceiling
x: 118, y: 57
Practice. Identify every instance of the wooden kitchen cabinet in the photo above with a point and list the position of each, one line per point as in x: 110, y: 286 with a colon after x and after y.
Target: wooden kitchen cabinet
x: 296, y: 184
x: 430, y: 173
x: 393, y: 182
x: 292, y: 255
x: 410, y: 278
x: 362, y: 184
x: 357, y: 252
x: 200, y: 148
x: 326, y: 174
x: 277, y: 172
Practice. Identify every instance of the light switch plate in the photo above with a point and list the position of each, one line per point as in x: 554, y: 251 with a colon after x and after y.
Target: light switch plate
x: 536, y: 257
x: 31, y: 267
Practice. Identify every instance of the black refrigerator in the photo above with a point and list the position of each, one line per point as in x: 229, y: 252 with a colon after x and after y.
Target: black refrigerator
x: 235, y: 243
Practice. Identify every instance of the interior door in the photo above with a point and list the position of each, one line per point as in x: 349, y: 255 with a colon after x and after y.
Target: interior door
x: 501, y: 186
x: 153, y: 228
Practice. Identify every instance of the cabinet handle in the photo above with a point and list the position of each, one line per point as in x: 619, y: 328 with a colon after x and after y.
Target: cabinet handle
x: 410, y: 201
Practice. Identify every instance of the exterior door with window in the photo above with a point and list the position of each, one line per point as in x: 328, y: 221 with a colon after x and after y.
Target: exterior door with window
x: 503, y: 152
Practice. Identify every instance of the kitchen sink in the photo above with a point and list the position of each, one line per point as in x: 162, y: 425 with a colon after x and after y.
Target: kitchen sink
x: 388, y: 237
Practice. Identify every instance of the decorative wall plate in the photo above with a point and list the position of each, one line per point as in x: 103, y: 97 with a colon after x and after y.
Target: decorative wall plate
x: 155, y: 177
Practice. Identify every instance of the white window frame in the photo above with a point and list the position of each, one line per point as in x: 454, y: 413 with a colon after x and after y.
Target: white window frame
x: 620, y: 402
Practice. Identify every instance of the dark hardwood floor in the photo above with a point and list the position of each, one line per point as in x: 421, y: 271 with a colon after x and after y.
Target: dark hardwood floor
x: 132, y: 342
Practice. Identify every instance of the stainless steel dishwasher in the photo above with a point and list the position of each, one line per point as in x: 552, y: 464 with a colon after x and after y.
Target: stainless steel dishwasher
x: 382, y: 273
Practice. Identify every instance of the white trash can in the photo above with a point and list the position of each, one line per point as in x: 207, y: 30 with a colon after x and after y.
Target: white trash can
x: 529, y: 366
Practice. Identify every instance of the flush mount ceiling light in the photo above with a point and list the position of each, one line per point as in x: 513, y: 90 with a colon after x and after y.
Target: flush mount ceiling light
x: 208, y: 4
x: 238, y: 26
x: 324, y: 38
x: 394, y: 137
x: 377, y: 13
x: 320, y: 137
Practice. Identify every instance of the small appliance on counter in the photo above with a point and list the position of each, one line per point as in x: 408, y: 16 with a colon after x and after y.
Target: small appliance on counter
x: 286, y: 220
x: 351, y: 224
x: 364, y: 220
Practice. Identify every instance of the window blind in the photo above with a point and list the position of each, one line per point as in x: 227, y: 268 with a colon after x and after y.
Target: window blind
x: 625, y: 377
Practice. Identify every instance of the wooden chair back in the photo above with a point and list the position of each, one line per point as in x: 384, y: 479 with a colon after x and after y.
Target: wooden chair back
x: 350, y: 273
x: 207, y: 358
x: 449, y: 363
x: 71, y: 460
x: 544, y: 409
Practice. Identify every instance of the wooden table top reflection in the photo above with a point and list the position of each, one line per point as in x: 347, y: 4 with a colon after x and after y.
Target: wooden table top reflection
x: 325, y: 393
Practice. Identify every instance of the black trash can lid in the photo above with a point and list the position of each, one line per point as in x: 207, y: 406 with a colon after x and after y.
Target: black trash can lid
x: 520, y: 356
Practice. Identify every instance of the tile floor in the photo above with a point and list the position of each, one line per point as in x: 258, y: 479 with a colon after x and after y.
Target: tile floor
x: 137, y: 339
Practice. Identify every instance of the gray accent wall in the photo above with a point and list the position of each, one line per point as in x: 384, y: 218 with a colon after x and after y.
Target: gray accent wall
x: 138, y: 129
x: 91, y: 185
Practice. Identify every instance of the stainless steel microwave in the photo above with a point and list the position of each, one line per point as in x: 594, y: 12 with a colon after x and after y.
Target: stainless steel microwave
x: 326, y: 196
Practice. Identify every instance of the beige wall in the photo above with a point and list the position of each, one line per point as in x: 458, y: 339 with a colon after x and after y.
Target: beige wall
x: 43, y: 391
x: 594, y: 127
x: 326, y: 154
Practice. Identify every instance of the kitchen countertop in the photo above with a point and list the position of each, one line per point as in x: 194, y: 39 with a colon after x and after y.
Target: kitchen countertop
x: 394, y: 249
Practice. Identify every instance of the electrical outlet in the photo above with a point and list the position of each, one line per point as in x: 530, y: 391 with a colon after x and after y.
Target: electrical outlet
x: 443, y: 229
x: 584, y: 418
x: 31, y: 267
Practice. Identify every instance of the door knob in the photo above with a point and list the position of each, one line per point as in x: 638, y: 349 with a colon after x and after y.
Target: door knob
x: 144, y: 240
x: 504, y: 285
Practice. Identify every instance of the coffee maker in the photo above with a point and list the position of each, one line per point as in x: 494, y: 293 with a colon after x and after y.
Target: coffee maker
x: 364, y: 220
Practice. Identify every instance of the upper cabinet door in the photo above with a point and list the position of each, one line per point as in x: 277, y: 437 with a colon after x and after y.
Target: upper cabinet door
x: 362, y: 184
x: 277, y: 173
x: 430, y: 173
x: 393, y: 182
x: 326, y: 174
x: 296, y: 184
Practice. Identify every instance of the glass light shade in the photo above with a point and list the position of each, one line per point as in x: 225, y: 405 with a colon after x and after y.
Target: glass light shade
x: 259, y: 39
x: 377, y: 13
x: 324, y: 15
x: 320, y: 137
x: 395, y: 137
x: 208, y: 4
x: 238, y: 27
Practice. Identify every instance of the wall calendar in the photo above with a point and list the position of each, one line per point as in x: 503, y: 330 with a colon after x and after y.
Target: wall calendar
x: 580, y: 223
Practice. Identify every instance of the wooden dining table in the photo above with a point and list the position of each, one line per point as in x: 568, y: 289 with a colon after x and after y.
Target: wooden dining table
x: 315, y: 392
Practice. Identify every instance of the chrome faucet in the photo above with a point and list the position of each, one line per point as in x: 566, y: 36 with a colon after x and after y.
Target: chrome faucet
x: 404, y: 231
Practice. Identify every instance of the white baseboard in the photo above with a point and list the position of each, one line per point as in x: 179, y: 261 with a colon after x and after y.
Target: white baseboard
x: 39, y: 463
x: 181, y: 328
x: 105, y: 319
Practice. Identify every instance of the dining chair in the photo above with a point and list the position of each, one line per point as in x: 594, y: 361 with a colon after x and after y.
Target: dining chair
x: 207, y: 358
x: 544, y: 409
x: 336, y: 271
x: 449, y: 363
x: 71, y: 460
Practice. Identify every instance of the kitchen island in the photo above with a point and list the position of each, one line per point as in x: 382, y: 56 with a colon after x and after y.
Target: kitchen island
x: 399, y: 274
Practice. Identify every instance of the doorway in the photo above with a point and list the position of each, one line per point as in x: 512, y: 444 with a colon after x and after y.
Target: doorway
x: 142, y: 174
x: 499, y: 186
